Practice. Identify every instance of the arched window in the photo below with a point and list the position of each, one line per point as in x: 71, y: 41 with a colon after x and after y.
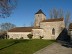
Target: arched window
x: 53, y: 31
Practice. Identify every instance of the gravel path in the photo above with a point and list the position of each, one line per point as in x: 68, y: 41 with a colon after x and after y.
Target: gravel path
x: 55, y: 48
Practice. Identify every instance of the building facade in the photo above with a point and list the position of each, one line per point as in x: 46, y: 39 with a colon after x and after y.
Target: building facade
x: 70, y: 31
x: 46, y: 28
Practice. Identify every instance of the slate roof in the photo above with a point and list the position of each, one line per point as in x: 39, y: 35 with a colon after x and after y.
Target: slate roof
x: 53, y: 20
x: 70, y: 26
x: 39, y: 12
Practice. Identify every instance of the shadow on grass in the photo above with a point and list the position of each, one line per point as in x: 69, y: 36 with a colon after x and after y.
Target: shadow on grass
x: 14, y: 42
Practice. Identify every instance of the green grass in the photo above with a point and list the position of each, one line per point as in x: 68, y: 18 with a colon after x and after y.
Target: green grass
x: 22, y: 46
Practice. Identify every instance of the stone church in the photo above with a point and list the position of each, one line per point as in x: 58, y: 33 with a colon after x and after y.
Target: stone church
x: 46, y: 28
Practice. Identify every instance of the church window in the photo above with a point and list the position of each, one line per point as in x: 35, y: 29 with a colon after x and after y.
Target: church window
x: 53, y: 31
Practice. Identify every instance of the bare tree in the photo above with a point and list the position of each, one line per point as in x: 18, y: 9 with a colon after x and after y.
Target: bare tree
x: 60, y: 13
x: 51, y: 14
x: 24, y: 25
x: 31, y: 24
x: 54, y: 13
x: 67, y: 19
x: 7, y: 26
x: 6, y: 7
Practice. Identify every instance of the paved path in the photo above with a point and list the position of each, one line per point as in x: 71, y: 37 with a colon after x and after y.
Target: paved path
x: 55, y: 48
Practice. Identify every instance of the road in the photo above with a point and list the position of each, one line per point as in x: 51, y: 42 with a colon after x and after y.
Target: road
x: 55, y: 48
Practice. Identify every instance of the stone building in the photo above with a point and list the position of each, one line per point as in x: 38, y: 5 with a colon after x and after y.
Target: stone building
x: 70, y: 30
x: 47, y: 28
x: 19, y: 32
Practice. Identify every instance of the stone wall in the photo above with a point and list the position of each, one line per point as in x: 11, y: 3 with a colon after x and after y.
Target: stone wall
x: 70, y: 33
x: 39, y: 18
x: 18, y: 35
x: 71, y: 36
x: 37, y: 33
x: 48, y: 26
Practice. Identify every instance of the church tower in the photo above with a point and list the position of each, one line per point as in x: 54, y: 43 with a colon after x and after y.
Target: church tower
x: 39, y: 16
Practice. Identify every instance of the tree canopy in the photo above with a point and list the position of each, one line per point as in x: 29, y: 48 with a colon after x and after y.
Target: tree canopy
x: 7, y: 26
x: 6, y: 7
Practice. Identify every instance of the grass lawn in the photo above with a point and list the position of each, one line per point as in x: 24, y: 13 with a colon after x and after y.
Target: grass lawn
x: 22, y: 46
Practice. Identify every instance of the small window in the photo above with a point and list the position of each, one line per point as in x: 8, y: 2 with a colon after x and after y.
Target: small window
x: 38, y: 15
x: 53, y: 31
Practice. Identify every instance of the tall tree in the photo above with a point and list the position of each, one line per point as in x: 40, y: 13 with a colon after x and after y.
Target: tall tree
x: 54, y: 13
x: 31, y: 24
x: 7, y: 26
x: 51, y: 14
x: 60, y: 13
x: 67, y: 19
x: 6, y: 7
x: 24, y: 25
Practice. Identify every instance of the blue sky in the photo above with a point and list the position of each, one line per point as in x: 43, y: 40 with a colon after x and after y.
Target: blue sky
x: 26, y: 9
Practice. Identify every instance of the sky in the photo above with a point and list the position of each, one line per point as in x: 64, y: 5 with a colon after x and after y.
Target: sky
x: 24, y: 14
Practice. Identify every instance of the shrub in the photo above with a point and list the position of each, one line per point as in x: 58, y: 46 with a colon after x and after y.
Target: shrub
x: 41, y: 37
x: 21, y: 38
x: 11, y: 38
x: 3, y: 35
x: 30, y: 36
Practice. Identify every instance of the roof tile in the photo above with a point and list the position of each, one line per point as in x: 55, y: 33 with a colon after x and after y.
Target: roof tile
x: 21, y: 29
x: 53, y: 20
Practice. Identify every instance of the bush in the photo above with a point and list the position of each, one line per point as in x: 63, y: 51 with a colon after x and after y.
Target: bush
x: 3, y: 35
x: 30, y: 36
x: 11, y: 38
x: 21, y: 38
x: 41, y: 37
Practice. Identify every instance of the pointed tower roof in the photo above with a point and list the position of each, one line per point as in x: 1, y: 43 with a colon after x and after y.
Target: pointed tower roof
x: 39, y: 12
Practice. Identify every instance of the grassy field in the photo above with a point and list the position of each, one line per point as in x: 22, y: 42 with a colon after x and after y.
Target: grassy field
x: 22, y: 46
